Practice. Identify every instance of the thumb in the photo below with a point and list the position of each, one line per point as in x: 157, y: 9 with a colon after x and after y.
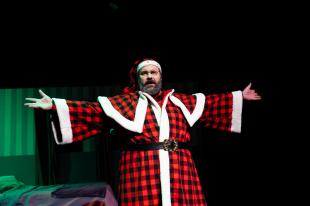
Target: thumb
x: 249, y: 86
x: 42, y: 93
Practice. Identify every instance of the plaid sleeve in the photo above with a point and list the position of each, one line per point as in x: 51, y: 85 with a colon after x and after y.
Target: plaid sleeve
x: 188, y: 100
x: 76, y: 120
x: 223, y: 111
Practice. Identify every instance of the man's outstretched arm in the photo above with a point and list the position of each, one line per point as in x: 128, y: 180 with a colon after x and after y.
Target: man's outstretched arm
x: 71, y: 120
x: 224, y: 111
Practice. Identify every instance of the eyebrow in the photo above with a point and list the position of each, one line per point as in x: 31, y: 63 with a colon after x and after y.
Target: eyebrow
x: 152, y: 70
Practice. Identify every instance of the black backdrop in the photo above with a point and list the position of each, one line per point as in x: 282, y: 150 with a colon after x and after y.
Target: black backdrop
x: 78, y: 44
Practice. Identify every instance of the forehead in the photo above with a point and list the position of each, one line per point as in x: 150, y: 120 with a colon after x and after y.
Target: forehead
x: 149, y: 68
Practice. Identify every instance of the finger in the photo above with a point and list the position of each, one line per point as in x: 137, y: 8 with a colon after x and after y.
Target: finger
x: 249, y: 86
x: 257, y: 97
x: 32, y: 99
x: 32, y: 105
x: 42, y: 93
x: 252, y: 91
x: 256, y: 94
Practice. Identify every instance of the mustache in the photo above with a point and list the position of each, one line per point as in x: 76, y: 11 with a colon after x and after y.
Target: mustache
x: 150, y: 82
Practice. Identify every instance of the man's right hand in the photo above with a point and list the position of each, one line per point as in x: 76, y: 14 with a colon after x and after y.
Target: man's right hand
x: 45, y: 102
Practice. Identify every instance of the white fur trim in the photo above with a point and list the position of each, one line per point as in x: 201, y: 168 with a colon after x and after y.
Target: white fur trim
x: 134, y: 126
x: 64, y: 121
x: 164, y: 158
x: 157, y: 113
x: 237, y: 111
x: 164, y: 131
x: 161, y: 115
x: 148, y: 62
x: 165, y: 177
x: 155, y: 106
x: 200, y: 103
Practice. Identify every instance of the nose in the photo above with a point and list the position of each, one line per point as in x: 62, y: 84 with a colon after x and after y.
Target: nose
x: 149, y: 75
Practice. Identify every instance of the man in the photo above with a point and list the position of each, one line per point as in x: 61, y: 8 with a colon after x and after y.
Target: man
x: 156, y: 167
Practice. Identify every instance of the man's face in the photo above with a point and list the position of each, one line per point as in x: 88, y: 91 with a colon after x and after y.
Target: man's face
x: 149, y: 79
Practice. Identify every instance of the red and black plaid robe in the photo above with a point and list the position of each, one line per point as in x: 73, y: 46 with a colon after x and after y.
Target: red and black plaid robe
x: 140, y: 171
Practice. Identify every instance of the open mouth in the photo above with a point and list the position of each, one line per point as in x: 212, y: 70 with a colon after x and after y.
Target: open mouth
x: 149, y: 83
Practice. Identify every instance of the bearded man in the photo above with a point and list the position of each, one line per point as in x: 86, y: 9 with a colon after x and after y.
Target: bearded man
x: 156, y: 166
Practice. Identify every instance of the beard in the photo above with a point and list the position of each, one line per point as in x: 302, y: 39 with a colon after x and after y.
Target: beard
x: 151, y: 89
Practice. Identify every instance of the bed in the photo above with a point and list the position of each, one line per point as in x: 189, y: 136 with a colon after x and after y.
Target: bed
x: 15, y: 193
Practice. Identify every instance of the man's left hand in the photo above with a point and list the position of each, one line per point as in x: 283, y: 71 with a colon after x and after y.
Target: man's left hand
x: 250, y: 94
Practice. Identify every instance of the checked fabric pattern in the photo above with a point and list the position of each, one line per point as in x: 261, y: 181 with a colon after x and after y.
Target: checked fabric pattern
x: 139, y: 170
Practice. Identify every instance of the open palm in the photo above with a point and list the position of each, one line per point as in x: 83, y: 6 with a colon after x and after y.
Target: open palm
x: 250, y: 94
x: 45, y: 102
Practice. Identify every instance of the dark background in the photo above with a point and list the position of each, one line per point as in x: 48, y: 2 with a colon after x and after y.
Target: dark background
x: 220, y: 46
x: 82, y: 44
